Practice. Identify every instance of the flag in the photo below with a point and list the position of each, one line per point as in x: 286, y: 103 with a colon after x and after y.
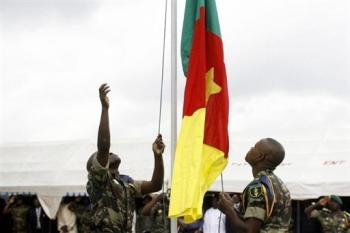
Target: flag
x: 202, y: 148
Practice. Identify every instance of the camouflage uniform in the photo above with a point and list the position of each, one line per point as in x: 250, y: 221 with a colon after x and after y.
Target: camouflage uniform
x: 143, y: 223
x: 19, y: 218
x: 267, y: 198
x: 112, y: 200
x: 160, y: 225
x: 330, y: 222
x: 83, y: 218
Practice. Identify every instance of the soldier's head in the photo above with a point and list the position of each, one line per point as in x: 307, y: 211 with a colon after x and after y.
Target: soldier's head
x: 19, y: 200
x: 267, y: 153
x: 335, y: 203
x: 114, y: 162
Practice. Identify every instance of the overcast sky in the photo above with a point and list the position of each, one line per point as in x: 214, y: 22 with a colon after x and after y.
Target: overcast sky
x: 287, y: 66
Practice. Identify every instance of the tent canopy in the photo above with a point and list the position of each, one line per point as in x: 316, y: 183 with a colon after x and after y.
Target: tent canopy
x: 60, y: 168
x: 312, y: 168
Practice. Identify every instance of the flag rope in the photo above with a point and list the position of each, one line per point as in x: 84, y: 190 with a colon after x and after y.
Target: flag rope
x: 161, y: 99
x: 162, y: 79
x: 222, y: 191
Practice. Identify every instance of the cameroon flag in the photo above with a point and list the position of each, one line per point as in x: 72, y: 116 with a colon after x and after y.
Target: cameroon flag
x: 202, y: 149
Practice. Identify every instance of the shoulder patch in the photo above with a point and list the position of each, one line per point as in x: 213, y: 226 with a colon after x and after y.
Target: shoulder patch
x: 255, y: 192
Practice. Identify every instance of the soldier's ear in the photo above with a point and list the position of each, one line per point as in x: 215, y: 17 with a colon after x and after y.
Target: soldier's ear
x: 260, y: 157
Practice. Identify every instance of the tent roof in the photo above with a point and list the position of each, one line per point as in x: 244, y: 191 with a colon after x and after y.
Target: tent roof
x: 58, y: 168
x: 312, y: 168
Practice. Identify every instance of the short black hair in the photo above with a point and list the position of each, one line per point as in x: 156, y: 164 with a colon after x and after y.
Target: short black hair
x: 274, y: 153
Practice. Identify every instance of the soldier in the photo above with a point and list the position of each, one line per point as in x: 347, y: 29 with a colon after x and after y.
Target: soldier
x: 143, y: 223
x: 82, y: 211
x: 158, y: 209
x: 266, y: 200
x: 112, y: 199
x: 328, y: 212
x: 19, y: 212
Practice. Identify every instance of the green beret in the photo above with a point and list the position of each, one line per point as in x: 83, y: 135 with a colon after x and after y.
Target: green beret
x: 336, y: 199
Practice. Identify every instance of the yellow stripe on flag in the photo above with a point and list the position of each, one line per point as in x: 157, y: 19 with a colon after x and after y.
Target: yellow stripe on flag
x: 196, y: 167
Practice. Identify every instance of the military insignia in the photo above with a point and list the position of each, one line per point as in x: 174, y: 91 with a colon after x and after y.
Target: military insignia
x: 255, y: 192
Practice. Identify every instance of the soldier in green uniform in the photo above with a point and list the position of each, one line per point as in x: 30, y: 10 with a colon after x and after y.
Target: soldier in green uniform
x: 82, y: 211
x: 266, y: 200
x: 19, y: 212
x: 143, y: 223
x: 328, y: 212
x: 84, y: 221
x: 158, y: 209
x: 112, y: 199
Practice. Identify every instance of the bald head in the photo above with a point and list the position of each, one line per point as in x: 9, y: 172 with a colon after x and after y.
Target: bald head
x: 273, y: 152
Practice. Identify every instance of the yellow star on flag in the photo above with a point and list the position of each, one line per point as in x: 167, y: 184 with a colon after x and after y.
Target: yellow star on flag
x: 211, y: 87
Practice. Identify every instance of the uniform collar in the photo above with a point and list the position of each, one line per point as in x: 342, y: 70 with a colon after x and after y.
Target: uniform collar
x: 264, y: 173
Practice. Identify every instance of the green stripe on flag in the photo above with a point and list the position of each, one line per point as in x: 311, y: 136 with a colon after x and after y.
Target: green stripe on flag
x: 191, y: 15
x: 212, y: 18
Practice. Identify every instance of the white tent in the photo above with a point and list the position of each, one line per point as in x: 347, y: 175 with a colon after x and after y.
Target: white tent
x: 312, y: 168
x: 52, y: 170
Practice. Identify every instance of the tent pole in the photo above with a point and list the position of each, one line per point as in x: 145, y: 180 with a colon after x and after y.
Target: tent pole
x: 173, y: 61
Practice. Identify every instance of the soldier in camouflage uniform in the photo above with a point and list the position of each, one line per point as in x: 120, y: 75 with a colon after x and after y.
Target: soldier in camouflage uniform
x: 84, y: 221
x: 158, y: 209
x: 82, y: 211
x: 19, y: 212
x: 266, y: 200
x: 112, y: 199
x: 143, y: 223
x: 328, y: 212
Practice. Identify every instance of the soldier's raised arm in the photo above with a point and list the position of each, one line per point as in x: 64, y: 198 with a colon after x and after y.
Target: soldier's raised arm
x: 9, y: 205
x: 319, y: 205
x: 103, y: 139
x: 155, y: 184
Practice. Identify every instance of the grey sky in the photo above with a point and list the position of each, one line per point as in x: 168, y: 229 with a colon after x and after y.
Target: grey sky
x: 287, y: 65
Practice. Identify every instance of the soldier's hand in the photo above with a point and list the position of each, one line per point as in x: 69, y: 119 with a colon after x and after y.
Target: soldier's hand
x: 323, y: 201
x: 103, y: 90
x: 158, y: 145
x: 225, y: 203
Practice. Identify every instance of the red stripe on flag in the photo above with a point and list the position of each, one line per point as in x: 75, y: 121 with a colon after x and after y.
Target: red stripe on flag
x: 194, y: 97
x: 216, y: 121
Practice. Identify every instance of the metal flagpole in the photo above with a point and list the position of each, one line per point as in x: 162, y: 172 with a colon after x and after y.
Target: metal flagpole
x: 173, y: 61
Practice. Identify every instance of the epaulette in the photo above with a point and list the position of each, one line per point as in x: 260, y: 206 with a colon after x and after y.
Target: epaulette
x: 268, y: 192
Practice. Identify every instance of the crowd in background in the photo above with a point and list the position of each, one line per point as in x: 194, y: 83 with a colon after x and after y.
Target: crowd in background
x: 24, y: 214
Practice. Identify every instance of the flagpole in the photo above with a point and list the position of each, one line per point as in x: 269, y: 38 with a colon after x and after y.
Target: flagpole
x: 173, y: 61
